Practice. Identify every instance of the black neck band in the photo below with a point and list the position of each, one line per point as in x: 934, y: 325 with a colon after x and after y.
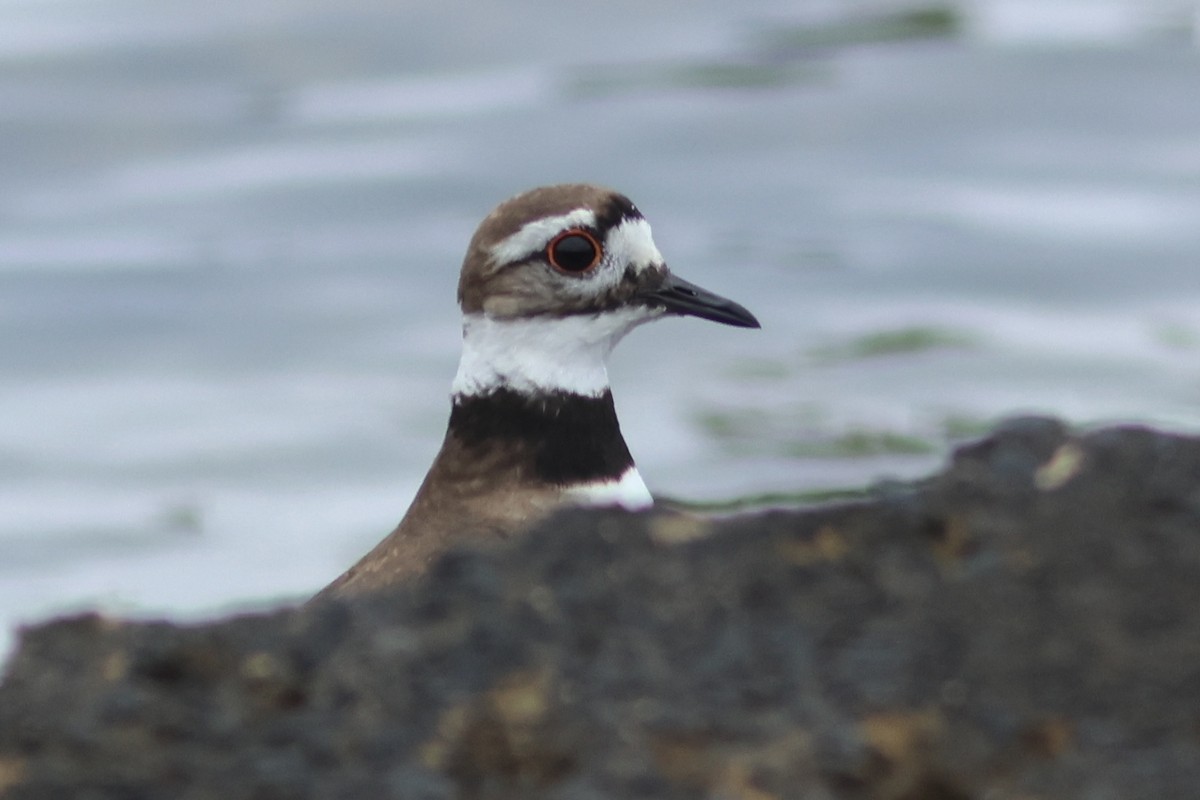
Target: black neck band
x: 570, y: 438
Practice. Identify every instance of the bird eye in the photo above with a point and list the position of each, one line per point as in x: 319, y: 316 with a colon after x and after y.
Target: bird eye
x: 573, y: 251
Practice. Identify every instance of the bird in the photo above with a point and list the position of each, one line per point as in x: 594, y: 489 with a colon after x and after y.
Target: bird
x: 552, y: 280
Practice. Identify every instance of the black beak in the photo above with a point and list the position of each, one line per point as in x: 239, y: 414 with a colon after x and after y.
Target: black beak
x: 687, y: 299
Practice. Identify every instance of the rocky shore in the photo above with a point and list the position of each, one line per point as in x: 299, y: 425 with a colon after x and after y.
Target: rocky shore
x: 1025, y: 624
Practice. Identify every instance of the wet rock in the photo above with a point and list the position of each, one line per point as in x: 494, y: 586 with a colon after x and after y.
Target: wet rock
x: 1024, y: 624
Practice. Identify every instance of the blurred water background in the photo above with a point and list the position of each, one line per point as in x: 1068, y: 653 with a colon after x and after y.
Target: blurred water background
x: 230, y: 232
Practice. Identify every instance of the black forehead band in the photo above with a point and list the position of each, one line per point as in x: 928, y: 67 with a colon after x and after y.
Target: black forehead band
x: 618, y: 209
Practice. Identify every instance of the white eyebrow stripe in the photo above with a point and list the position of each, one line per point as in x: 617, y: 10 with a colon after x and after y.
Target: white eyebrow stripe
x: 534, y: 236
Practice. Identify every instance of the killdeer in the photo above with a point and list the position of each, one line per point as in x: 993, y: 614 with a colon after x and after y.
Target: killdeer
x: 552, y: 280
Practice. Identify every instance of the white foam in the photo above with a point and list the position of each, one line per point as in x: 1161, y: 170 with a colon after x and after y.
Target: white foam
x: 229, y: 172
x: 86, y: 251
x: 1064, y: 21
x: 410, y: 97
x: 1087, y: 212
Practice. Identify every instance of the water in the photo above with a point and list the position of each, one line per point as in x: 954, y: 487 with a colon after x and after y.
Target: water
x: 229, y: 237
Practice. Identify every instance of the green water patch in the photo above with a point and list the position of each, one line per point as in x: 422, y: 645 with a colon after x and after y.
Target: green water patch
x: 760, y: 369
x: 697, y: 74
x: 745, y: 432
x: 805, y: 432
x: 899, y: 341
x: 957, y: 427
x: 860, y: 443
x: 767, y: 500
x: 744, y: 425
x: 779, y: 55
x: 734, y: 75
x: 934, y: 21
x: 1177, y: 336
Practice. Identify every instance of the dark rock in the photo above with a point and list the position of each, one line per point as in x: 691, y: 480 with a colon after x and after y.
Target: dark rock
x: 1024, y: 624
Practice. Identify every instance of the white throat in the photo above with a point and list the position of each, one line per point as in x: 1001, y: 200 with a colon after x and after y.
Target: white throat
x: 542, y: 354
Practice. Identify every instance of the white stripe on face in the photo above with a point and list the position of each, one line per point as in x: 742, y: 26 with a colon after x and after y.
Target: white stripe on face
x: 629, y: 492
x: 534, y: 236
x: 630, y: 244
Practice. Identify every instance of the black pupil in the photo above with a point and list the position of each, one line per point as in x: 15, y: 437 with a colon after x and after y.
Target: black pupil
x: 574, y: 253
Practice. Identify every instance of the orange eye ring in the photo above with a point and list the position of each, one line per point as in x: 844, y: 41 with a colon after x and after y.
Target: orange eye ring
x: 574, y: 252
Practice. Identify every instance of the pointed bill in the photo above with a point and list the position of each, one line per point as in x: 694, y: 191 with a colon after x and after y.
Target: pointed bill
x: 685, y: 298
